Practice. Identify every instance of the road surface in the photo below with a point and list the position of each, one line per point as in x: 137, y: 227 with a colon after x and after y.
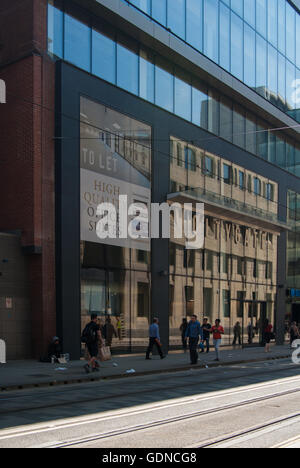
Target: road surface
x: 250, y: 405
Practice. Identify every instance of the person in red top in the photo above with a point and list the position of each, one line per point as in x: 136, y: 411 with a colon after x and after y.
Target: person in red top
x: 268, y: 336
x: 217, y: 332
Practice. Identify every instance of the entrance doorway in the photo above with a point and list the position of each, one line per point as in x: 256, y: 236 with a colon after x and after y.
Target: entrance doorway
x: 253, y: 329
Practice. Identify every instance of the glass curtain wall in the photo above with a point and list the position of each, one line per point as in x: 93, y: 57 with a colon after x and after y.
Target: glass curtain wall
x: 293, y: 273
x: 111, y: 56
x: 254, y: 40
x: 234, y: 276
x: 115, y: 273
x: 293, y: 260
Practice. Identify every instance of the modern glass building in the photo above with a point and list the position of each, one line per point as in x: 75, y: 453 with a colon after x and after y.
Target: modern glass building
x: 177, y: 101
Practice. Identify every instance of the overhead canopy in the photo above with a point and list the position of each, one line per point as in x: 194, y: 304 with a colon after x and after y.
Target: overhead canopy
x: 230, y: 209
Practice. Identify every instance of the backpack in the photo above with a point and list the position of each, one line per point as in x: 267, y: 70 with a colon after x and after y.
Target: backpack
x: 89, y: 334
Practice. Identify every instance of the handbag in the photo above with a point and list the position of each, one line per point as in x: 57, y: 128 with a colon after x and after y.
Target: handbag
x: 104, y: 353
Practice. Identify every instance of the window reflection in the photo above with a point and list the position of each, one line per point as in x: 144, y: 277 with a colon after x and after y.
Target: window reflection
x: 127, y: 66
x: 122, y: 61
x: 115, y: 273
x: 77, y: 43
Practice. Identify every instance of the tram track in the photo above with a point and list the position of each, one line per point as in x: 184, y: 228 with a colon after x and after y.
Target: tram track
x: 242, y: 436
x: 77, y: 442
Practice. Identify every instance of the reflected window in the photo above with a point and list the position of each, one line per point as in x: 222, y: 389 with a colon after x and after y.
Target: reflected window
x: 55, y: 31
x: 237, y: 52
x: 211, y: 30
x: 159, y: 11
x: 194, y: 23
x: 257, y: 186
x: 209, y: 260
x: 209, y: 167
x: 77, y: 43
x: 143, y: 300
x: 227, y: 174
x: 146, y: 78
x: 183, y: 99
x: 241, y: 180
x: 190, y: 159
x: 270, y: 192
x: 164, y: 87
x: 176, y: 17
x: 104, y: 57
x: 127, y: 67
x: 226, y: 303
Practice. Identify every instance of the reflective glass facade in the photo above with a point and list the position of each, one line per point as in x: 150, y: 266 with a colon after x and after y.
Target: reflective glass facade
x: 115, y: 273
x: 293, y: 252
x: 239, y: 261
x: 257, y: 41
x: 293, y: 258
x: 108, y: 54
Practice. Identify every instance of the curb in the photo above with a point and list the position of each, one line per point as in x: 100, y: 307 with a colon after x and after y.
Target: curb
x: 72, y: 381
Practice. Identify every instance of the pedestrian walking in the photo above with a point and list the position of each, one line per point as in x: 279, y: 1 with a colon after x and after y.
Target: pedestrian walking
x: 206, y: 328
x: 182, y: 329
x: 193, y: 333
x: 217, y: 332
x: 268, y: 335
x: 237, y: 331
x: 91, y: 336
x: 154, y: 339
x: 109, y: 332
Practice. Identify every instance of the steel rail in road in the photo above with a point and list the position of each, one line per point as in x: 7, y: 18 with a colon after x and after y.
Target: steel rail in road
x: 244, y: 435
x: 166, y: 421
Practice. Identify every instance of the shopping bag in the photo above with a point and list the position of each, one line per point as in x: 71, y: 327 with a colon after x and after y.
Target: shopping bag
x: 104, y: 353
x: 201, y: 346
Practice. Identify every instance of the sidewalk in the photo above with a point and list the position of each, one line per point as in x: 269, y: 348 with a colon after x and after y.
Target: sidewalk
x: 26, y: 374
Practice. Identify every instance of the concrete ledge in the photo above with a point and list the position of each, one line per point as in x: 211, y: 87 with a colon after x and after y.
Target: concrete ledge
x: 71, y: 380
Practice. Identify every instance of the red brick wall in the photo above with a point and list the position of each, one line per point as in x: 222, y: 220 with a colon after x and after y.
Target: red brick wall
x: 22, y: 28
x: 27, y: 152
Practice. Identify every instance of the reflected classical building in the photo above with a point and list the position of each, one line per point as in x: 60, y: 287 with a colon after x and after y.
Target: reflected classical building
x: 234, y: 277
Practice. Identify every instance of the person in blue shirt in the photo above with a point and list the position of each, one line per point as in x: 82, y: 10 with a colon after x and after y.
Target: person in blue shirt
x: 154, y: 339
x: 193, y: 332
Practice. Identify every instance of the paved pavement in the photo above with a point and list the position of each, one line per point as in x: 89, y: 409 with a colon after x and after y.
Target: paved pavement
x: 26, y: 374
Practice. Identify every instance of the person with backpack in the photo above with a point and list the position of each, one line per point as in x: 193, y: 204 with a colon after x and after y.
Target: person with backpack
x: 91, y: 335
x: 206, y: 327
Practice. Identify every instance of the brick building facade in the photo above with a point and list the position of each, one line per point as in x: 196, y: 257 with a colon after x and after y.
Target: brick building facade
x: 27, y: 154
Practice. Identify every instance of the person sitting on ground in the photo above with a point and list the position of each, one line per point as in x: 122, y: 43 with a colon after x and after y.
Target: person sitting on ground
x: 54, y: 351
